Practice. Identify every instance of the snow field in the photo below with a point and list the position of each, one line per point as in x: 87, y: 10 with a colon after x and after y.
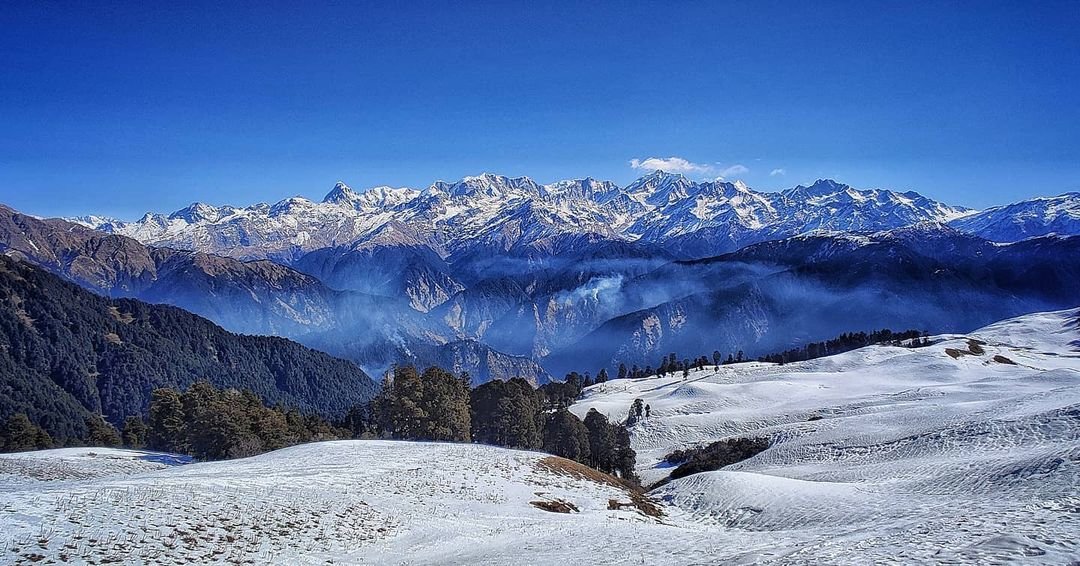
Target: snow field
x: 884, y: 454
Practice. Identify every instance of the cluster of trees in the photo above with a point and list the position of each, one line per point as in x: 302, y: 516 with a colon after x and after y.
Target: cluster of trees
x: 672, y: 364
x: 847, y: 342
x: 18, y: 434
x: 715, y: 455
x: 437, y: 405
x: 216, y: 424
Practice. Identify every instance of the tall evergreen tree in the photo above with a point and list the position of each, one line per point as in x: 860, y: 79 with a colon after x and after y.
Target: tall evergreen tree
x: 166, y: 427
x: 565, y: 435
x: 601, y: 441
x: 507, y: 413
x: 432, y: 407
x: 625, y: 457
x: 101, y: 433
x: 19, y: 435
x: 446, y: 399
x: 134, y: 433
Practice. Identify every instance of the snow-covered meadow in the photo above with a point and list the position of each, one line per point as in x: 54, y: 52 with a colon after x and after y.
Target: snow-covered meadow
x: 967, y: 450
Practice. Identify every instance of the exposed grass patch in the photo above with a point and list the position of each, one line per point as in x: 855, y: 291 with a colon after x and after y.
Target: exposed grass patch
x: 638, y: 499
x: 124, y: 317
x: 557, y: 506
x: 1003, y: 360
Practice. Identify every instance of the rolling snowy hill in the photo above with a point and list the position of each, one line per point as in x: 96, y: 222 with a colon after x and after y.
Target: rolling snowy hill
x: 883, y: 454
x: 963, y: 451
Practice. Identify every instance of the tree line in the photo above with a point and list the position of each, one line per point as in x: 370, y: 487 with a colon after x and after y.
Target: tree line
x: 437, y: 405
x: 847, y: 342
x: 211, y: 423
x: 672, y: 363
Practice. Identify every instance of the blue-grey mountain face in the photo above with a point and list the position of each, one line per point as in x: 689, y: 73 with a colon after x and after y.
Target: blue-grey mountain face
x: 500, y: 274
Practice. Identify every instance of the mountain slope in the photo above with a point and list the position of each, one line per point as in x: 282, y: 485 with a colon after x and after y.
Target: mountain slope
x: 67, y: 353
x: 262, y: 297
x: 1026, y: 219
x: 774, y: 295
x: 250, y: 297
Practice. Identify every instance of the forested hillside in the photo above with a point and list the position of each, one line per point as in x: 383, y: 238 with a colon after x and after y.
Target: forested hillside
x: 66, y: 353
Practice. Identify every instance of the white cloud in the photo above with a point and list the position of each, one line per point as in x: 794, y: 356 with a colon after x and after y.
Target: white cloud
x: 776, y: 172
x: 736, y: 169
x: 669, y: 164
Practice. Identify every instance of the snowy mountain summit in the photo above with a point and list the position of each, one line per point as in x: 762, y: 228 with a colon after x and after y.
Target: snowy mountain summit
x: 499, y: 213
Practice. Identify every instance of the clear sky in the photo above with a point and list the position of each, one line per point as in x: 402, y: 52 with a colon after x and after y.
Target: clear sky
x: 119, y: 108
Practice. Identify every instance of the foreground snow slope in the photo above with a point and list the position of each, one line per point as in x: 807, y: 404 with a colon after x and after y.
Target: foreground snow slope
x: 365, y: 502
x: 884, y: 453
x: 917, y: 457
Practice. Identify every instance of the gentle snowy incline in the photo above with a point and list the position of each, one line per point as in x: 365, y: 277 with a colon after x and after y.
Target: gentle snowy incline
x: 365, y: 502
x: 885, y: 453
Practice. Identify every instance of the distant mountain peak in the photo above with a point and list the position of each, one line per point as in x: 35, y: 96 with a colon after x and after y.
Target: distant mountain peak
x: 340, y: 194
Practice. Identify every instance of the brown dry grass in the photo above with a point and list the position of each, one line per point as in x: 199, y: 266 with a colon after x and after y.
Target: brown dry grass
x: 570, y: 468
x: 557, y: 506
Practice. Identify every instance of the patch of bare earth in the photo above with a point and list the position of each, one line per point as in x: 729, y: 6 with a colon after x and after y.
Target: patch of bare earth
x: 557, y: 506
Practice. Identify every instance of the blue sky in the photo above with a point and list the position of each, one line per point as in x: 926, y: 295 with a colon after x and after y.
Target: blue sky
x: 119, y: 108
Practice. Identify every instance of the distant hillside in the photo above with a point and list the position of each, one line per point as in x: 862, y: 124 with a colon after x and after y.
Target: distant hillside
x: 66, y: 352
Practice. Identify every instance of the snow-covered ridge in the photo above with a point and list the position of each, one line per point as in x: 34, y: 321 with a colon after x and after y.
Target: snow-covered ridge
x: 1036, y: 217
x: 499, y: 212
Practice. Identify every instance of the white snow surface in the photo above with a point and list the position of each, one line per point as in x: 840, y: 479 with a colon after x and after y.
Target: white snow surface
x: 917, y: 458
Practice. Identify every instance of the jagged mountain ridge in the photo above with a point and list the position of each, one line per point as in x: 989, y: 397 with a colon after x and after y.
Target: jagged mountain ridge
x: 494, y: 213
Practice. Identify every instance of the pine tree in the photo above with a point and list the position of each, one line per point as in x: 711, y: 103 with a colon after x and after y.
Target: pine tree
x: 166, y: 427
x: 602, y: 376
x: 134, y: 434
x: 625, y: 457
x: 19, y: 435
x: 432, y: 407
x: 565, y: 435
x: 601, y: 441
x: 622, y: 372
x: 101, y: 433
x: 506, y: 413
x: 446, y: 403
x: 637, y: 409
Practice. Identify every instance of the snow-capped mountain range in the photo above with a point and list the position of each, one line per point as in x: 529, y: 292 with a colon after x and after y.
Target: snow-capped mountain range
x: 501, y: 272
x: 503, y: 214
